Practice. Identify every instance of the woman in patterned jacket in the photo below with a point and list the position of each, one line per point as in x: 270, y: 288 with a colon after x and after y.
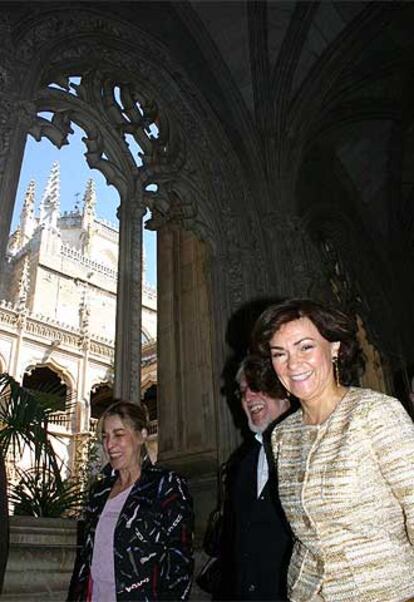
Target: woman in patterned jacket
x: 345, y: 462
x: 139, y: 522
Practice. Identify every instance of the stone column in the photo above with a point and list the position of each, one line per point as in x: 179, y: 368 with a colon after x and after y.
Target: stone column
x: 187, y: 396
x: 127, y: 385
x: 15, y: 364
x: 186, y: 406
x: 11, y: 156
x: 83, y: 389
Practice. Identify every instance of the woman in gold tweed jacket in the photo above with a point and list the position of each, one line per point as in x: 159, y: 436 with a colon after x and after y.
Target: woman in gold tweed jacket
x: 345, y: 462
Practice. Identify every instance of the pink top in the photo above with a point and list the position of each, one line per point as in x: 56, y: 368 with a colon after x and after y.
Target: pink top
x: 102, y: 570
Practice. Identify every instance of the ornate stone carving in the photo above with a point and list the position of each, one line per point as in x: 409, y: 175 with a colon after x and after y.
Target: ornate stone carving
x: 197, y: 172
x: 296, y: 257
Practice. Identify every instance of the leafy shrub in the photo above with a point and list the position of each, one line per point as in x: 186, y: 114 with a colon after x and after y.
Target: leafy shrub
x: 39, y: 493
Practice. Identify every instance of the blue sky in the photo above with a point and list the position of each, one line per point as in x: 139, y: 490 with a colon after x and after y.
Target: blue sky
x: 74, y: 174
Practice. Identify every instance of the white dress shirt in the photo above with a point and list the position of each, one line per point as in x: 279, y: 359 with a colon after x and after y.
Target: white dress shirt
x: 262, y: 466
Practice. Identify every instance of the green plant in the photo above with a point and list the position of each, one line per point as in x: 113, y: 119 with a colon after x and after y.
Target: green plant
x: 24, y: 419
x: 39, y: 493
x: 24, y: 422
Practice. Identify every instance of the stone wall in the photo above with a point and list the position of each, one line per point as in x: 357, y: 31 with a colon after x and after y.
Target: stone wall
x: 41, y: 558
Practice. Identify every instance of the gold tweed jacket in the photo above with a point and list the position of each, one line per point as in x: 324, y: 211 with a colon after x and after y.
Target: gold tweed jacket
x: 347, y: 488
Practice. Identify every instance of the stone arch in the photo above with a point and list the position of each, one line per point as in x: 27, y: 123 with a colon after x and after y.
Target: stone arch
x: 2, y: 364
x: 101, y: 396
x: 202, y: 204
x: 63, y: 373
x: 317, y: 107
x: 202, y: 189
x: 42, y: 378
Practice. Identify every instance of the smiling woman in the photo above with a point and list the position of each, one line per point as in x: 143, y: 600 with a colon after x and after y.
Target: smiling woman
x: 302, y: 359
x: 139, y: 521
x: 345, y: 462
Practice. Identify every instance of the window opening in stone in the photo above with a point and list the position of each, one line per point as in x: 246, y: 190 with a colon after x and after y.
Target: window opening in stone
x: 61, y: 279
x: 61, y: 253
x: 48, y: 387
x: 149, y: 356
x: 117, y: 96
x: 101, y: 398
x: 74, y: 83
x: 57, y: 86
x: 152, y: 131
x: 136, y: 150
x: 46, y: 115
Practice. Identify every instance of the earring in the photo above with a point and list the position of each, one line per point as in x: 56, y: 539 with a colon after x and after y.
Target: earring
x: 336, y: 370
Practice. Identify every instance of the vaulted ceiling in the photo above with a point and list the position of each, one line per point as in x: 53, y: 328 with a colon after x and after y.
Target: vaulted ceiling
x: 316, y: 100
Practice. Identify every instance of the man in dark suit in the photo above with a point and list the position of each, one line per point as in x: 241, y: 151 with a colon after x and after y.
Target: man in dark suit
x: 256, y: 542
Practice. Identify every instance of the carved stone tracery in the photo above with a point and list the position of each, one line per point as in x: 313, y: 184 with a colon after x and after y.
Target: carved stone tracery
x: 196, y: 176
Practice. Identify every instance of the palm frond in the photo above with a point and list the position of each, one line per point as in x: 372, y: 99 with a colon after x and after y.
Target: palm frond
x: 24, y: 422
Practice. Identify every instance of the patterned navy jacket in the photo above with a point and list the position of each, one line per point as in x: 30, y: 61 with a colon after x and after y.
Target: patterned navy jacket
x: 152, y: 540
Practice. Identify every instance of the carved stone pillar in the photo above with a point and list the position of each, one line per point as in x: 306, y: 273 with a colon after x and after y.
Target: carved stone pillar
x: 127, y: 384
x: 187, y: 396
x: 186, y: 406
x: 13, y: 127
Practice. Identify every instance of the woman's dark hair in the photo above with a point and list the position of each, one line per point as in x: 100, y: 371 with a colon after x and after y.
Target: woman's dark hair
x: 260, y: 376
x: 332, y: 324
x: 135, y: 414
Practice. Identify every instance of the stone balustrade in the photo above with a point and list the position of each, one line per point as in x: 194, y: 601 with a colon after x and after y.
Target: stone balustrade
x: 62, y: 419
x: 72, y: 253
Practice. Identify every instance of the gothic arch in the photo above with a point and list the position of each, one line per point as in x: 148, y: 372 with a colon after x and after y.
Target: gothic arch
x: 200, y: 198
x: 99, y: 381
x: 322, y: 99
x: 201, y: 190
x: 63, y: 373
x: 211, y: 163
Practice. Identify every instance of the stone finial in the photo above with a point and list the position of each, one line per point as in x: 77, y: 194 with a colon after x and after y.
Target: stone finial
x: 27, y: 215
x: 15, y: 241
x: 88, y: 216
x: 50, y: 203
x: 89, y: 202
x: 23, y: 286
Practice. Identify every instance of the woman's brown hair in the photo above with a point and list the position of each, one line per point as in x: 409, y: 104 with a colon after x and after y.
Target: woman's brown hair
x: 332, y: 323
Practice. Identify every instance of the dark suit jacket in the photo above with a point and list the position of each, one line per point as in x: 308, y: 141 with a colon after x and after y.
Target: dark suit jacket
x: 257, y: 539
